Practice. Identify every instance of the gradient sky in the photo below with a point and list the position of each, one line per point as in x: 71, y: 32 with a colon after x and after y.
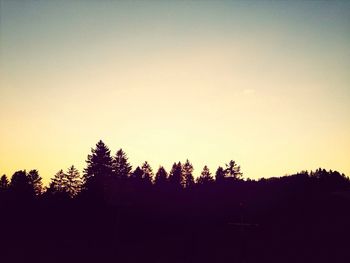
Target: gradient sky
x: 264, y: 83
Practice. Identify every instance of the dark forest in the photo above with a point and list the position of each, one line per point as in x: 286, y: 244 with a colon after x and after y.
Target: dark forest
x: 113, y: 212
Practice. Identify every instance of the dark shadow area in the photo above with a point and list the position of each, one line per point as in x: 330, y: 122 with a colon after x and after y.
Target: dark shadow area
x: 113, y: 213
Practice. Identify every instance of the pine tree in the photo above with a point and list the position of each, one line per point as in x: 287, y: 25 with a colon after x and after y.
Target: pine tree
x: 137, y: 174
x: 219, y: 174
x: 73, y: 181
x: 4, y: 182
x: 121, y: 166
x: 35, y: 181
x: 233, y: 170
x: 99, y: 165
x: 59, y: 183
x: 176, y: 176
x: 205, y: 177
x: 147, y: 172
x: 161, y: 177
x: 187, y: 170
x: 20, y: 184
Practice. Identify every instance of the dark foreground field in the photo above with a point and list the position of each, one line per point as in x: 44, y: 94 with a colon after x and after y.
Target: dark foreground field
x: 290, y: 219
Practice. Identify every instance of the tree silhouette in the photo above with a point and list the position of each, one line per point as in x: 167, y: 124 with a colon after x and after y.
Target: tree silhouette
x: 187, y: 170
x: 219, y: 174
x: 233, y: 170
x: 328, y: 179
x: 99, y: 166
x: 20, y: 184
x: 176, y: 176
x: 205, y: 177
x: 35, y: 181
x: 161, y: 177
x: 121, y: 166
x: 137, y: 174
x: 73, y: 181
x: 59, y: 183
x: 300, y: 215
x: 147, y: 173
x: 4, y: 182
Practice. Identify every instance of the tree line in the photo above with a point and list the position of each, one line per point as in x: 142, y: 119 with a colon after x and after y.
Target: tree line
x: 112, y: 212
x: 101, y: 167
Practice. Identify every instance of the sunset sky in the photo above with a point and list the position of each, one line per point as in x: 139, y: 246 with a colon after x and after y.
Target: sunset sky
x: 264, y: 83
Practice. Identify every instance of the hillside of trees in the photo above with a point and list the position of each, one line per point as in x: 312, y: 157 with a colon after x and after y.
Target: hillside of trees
x: 113, y: 212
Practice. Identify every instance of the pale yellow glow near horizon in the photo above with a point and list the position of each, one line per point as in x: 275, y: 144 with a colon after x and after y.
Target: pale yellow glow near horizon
x: 274, y: 102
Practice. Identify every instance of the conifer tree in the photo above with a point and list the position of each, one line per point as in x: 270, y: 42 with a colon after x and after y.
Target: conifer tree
x: 99, y: 165
x: 147, y: 172
x: 161, y: 177
x: 121, y: 167
x: 4, y: 182
x: 219, y: 174
x: 73, y: 181
x: 35, y: 181
x: 137, y: 174
x: 205, y: 177
x: 20, y: 184
x: 187, y: 170
x: 59, y: 183
x: 175, y: 175
x: 233, y: 170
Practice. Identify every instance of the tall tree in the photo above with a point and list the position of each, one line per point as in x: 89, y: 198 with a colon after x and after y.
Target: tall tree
x: 219, y: 174
x: 121, y: 166
x: 137, y: 174
x: 99, y: 165
x: 20, y: 184
x: 73, y: 181
x: 59, y: 183
x: 35, y: 181
x: 187, y: 170
x: 4, y: 182
x: 205, y: 177
x: 233, y: 170
x: 147, y: 172
x: 161, y: 177
x: 175, y: 175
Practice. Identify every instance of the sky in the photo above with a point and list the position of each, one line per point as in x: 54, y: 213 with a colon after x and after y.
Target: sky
x: 265, y: 83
